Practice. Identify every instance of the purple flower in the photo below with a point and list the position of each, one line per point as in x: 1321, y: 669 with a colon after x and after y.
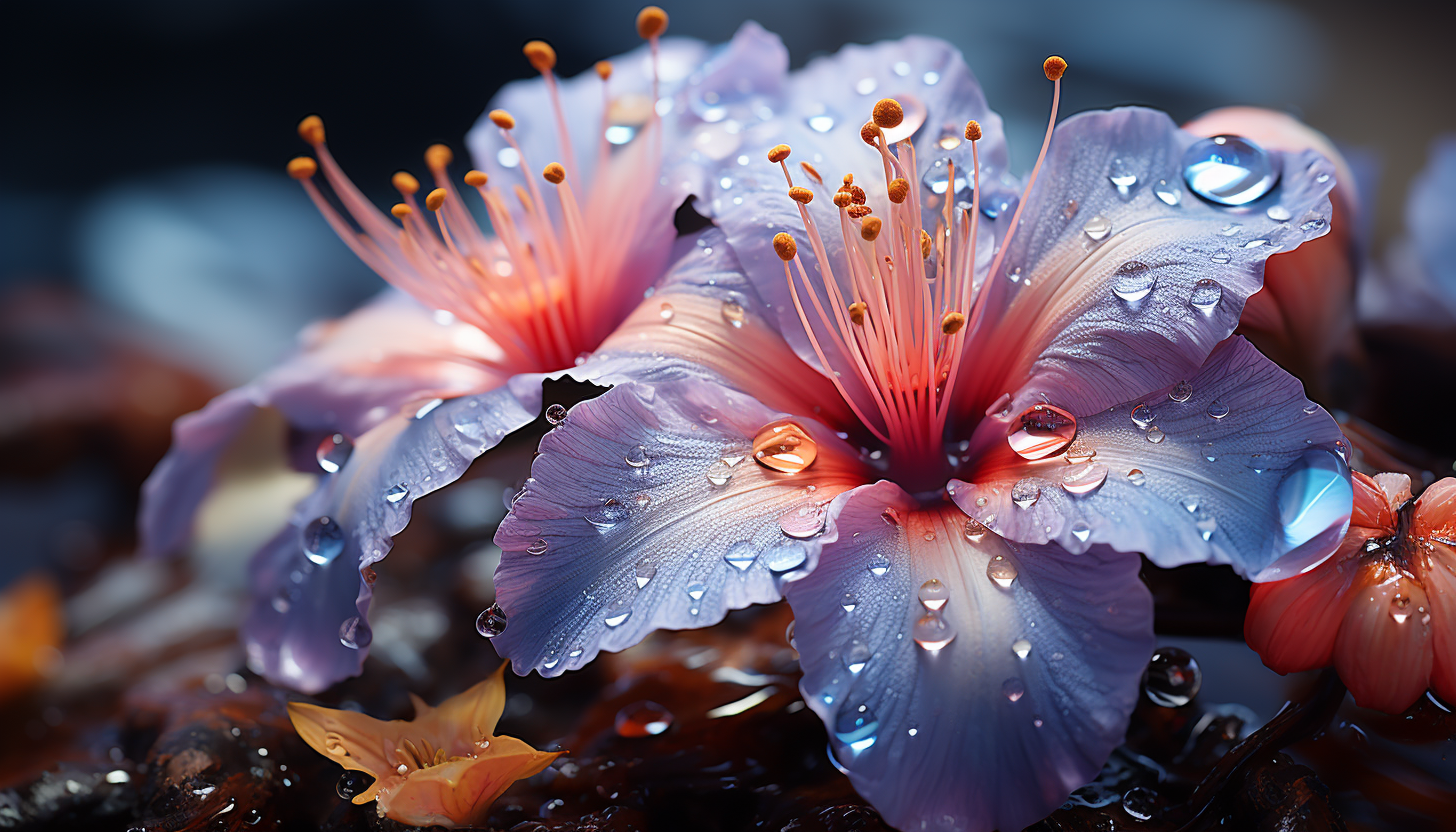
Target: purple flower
x: 401, y: 396
x: 941, y: 410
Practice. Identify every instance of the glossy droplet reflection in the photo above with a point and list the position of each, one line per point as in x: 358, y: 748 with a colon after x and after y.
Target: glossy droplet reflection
x: 784, y: 446
x: 643, y: 719
x: 856, y: 727
x: 1314, y: 501
x: 1001, y: 571
x: 1133, y: 281
x: 1229, y: 170
x: 1173, y: 678
x: 733, y: 314
x: 333, y: 452
x: 934, y: 594
x: 352, y: 784
x: 932, y: 632
x: 1084, y: 479
x: 1042, y: 430
x: 1205, y: 296
x: 323, y: 540
x: 1025, y: 493
x: 354, y: 634
x: 555, y: 414
x: 491, y: 622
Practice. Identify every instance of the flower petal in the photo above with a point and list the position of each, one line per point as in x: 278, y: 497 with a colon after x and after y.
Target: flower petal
x: 310, y: 600
x: 1025, y: 703
x: 1383, y: 651
x: 1244, y: 471
x: 645, y: 509
x: 469, y: 715
x: 348, y: 376
x: 1109, y: 292
x: 460, y: 792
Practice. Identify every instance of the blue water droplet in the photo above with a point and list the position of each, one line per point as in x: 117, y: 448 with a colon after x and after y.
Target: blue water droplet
x: 1314, y: 509
x: 856, y: 727
x: 821, y: 123
x: 741, y: 555
x: 323, y: 540
x: 396, y: 492
x: 937, y: 179
x: 1229, y: 170
x: 1001, y: 202
x: 785, y: 556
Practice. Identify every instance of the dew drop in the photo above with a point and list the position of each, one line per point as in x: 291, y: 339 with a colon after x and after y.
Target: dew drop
x: 1218, y: 409
x: 1133, y: 281
x: 1173, y: 678
x: 741, y: 555
x: 718, y: 475
x: 323, y: 540
x: 396, y: 493
x: 1143, y: 416
x: 804, y: 521
x: 848, y: 602
x: 1312, y: 226
x: 665, y: 311
x: 491, y: 622
x: 1155, y: 434
x: 879, y: 565
x: 607, y: 515
x: 856, y: 656
x: 1013, y: 689
x: 645, y: 572
x: 617, y: 612
x: 1025, y: 493
x: 1001, y: 571
x: 932, y: 632
x: 536, y: 547
x: 354, y: 634
x: 784, y: 446
x: 1081, y: 531
x: 1206, y: 296
x: 1314, y: 502
x: 1279, y: 213
x: 1021, y: 647
x: 696, y: 590
x: 785, y: 556
x: 1136, y: 476
x: 333, y: 452
x: 1041, y: 431
x: 975, y: 529
x: 1121, y: 174
x: 856, y: 727
x: 1229, y: 170
x: 352, y: 783
x: 643, y: 719
x: 1085, y: 478
x: 637, y: 457
x: 1097, y: 228
x: 1181, y: 392
x: 1167, y: 192
x: 934, y: 594
x: 733, y: 314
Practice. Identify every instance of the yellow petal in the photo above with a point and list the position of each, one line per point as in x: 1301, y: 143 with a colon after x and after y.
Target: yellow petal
x: 464, y: 717
x: 460, y: 793
x: 353, y: 740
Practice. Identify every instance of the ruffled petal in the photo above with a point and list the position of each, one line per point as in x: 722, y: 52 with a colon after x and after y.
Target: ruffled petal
x: 460, y: 792
x: 1025, y: 702
x: 308, y: 625
x: 348, y: 376
x: 1243, y: 470
x: 1383, y: 651
x: 1110, y: 292
x: 646, y: 509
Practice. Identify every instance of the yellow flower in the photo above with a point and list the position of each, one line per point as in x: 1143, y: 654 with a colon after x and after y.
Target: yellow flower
x: 445, y: 767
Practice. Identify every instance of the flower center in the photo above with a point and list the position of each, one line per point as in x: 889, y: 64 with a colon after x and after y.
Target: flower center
x: 538, y: 286
x: 904, y: 304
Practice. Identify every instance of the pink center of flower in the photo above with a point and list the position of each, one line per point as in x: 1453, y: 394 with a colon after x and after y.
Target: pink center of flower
x: 905, y: 302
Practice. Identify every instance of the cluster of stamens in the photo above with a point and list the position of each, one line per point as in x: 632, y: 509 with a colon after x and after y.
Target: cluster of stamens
x: 902, y: 314
x: 535, y: 285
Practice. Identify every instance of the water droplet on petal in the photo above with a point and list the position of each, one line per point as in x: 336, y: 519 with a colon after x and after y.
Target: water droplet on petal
x: 1025, y: 493
x: 1041, y: 431
x: 617, y: 612
x: 786, y: 556
x: 1021, y: 647
x: 1097, y: 228
x: 1312, y: 225
x: 696, y: 590
x: 821, y: 123
x: 1143, y: 416
x: 975, y: 529
x: 1084, y: 479
x: 1173, y: 678
x: 1155, y: 434
x: 555, y: 414
x: 352, y: 783
x: 1279, y: 213
x: 934, y: 594
x: 856, y: 656
x: 1133, y: 281
x: 396, y: 493
x: 1121, y: 174
x: 333, y: 452
x: 1399, y: 608
x: 607, y: 515
x: 848, y: 602
x: 491, y: 622
x: 856, y: 727
x: 1136, y: 476
x: 354, y: 636
x: 1081, y: 530
x: 645, y: 572
x: 719, y: 474
x: 536, y: 547
x: 1229, y: 170
x: 733, y: 314
x: 323, y: 540
x: 1013, y: 689
x: 1169, y: 193
x: 1181, y: 392
x: 1314, y: 499
x: 879, y: 565
x: 1218, y: 409
x: 741, y: 555
x: 643, y: 719
x: 637, y: 457
x: 1001, y: 571
x: 1140, y: 803
x: 784, y: 446
x: 804, y: 521
x: 932, y: 632
x: 1206, y: 296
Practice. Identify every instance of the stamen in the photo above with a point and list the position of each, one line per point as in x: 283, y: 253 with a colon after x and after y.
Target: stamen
x: 857, y: 312
x: 812, y: 172
x: 888, y: 113
x: 540, y: 54
x: 405, y: 183
x: 312, y: 130
x: 651, y: 22
x: 302, y: 167
x: 604, y: 69
x: 871, y: 133
x: 436, y: 199
x: 554, y: 173
x: 803, y: 196
x: 870, y: 228
x: 952, y: 323
x: 785, y: 247
x: 778, y: 153
x: 401, y: 211
x: 899, y: 189
x: 502, y: 119
x: 476, y: 179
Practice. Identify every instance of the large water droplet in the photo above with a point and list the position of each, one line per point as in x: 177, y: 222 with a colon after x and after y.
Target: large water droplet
x: 1217, y: 410
x: 1314, y: 503
x: 1013, y: 689
x: 323, y: 540
x: 879, y: 565
x: 938, y: 180
x: 1042, y: 430
x: 1001, y: 571
x: 1021, y: 647
x: 932, y: 632
x: 848, y: 602
x: 975, y: 529
x: 821, y: 123
x: 1206, y: 295
x: 718, y: 474
x: 733, y: 314
x: 491, y: 622
x: 1173, y: 678
x: 1279, y: 213
x: 333, y: 452
x: 804, y: 521
x: 1136, y: 476
x: 354, y: 633
x: 1025, y: 493
x: 1121, y: 174
x: 1084, y: 479
x: 637, y: 457
x: 1143, y: 416
x: 396, y: 492
x: 643, y: 719
x: 1097, y: 228
x: 1155, y: 435
x: 786, y: 556
x: 1181, y: 392
x: 1229, y: 170
x: 1140, y: 803
x: 1133, y: 281
x: 536, y: 547
x: 607, y: 515
x: 856, y: 656
x: 555, y: 414
x: 645, y: 572
x: 856, y: 727
x: 617, y: 612
x: 352, y: 783
x: 696, y: 590
x: 784, y: 446
x: 934, y: 594
x: 741, y: 555
x: 1167, y: 192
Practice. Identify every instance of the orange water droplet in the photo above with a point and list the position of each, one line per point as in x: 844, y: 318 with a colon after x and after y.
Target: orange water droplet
x: 784, y: 446
x: 1042, y: 430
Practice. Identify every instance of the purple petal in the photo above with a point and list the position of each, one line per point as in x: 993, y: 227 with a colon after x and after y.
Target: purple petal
x: 645, y: 509
x: 1221, y: 476
x: 310, y: 598
x: 348, y: 376
x: 1108, y: 291
x: 1024, y: 704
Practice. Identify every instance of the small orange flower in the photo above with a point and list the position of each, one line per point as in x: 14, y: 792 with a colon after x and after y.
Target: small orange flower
x: 445, y: 767
x: 1382, y: 610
